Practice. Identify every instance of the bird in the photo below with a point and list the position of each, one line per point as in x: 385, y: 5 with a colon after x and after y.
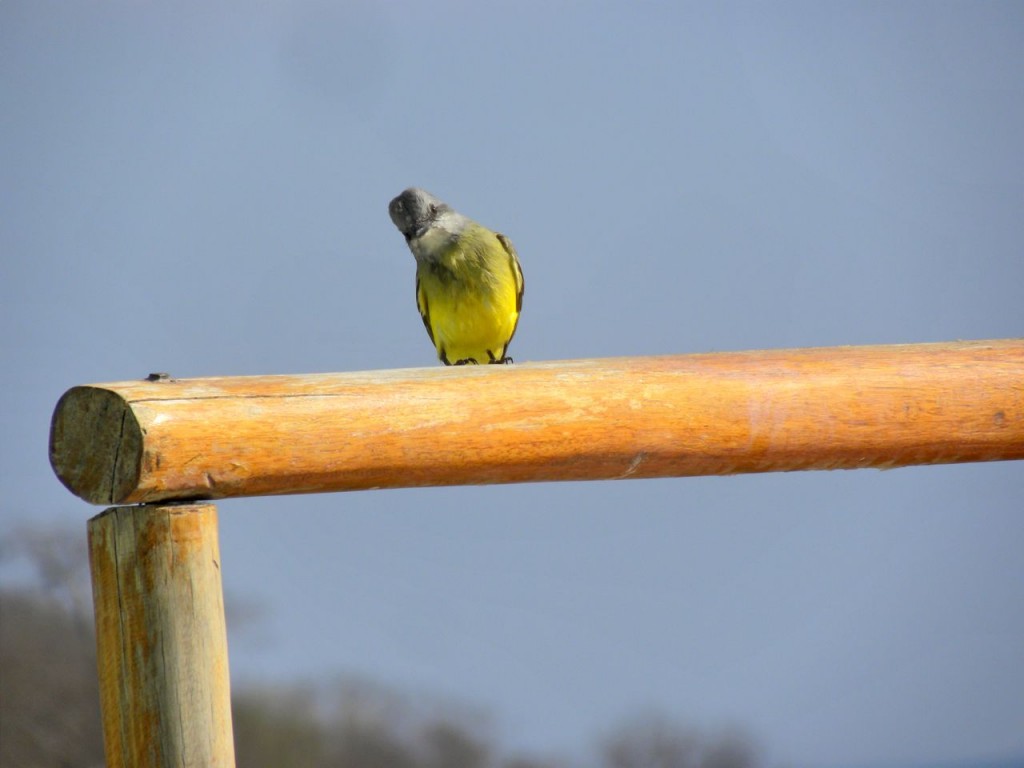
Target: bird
x: 469, y: 285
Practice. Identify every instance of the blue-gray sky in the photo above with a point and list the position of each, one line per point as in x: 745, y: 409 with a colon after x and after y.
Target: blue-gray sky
x: 202, y: 189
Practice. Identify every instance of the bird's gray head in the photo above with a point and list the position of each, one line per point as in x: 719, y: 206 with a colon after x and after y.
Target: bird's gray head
x: 416, y: 210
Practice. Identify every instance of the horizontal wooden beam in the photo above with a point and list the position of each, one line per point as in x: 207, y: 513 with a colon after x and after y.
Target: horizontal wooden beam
x: 707, y: 414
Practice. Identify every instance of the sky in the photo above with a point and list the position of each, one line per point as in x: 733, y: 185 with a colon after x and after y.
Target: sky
x: 202, y: 188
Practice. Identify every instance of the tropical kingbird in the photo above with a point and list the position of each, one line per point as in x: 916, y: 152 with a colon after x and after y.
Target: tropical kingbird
x: 469, y: 286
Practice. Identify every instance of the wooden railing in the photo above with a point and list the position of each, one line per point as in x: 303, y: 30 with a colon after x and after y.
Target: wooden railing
x: 166, y: 445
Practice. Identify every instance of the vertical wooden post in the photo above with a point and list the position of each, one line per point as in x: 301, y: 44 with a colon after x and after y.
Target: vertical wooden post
x: 160, y: 636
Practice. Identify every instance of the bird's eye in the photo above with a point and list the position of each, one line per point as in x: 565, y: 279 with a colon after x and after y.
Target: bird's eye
x: 433, y: 209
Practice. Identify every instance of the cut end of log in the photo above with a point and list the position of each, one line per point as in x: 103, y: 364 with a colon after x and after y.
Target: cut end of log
x: 95, y: 445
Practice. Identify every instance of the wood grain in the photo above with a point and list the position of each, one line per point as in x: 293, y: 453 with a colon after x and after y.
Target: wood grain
x: 160, y: 637
x: 722, y: 413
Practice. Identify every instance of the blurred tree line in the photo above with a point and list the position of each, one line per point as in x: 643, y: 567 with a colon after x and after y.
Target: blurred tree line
x: 49, y: 700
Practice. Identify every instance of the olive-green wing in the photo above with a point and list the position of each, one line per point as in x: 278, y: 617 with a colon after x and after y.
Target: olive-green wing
x: 517, y: 271
x: 424, y: 307
x: 517, y: 276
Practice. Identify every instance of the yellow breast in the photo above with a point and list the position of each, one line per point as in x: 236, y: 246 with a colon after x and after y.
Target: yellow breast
x: 469, y: 293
